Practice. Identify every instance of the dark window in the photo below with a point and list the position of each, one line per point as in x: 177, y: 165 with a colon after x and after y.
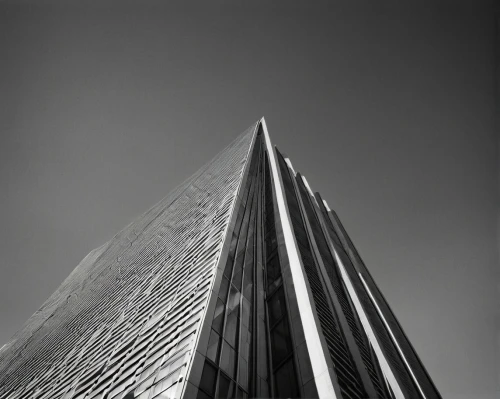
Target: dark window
x: 276, y: 307
x: 202, y: 395
x: 224, y: 286
x: 238, y: 273
x: 228, y: 359
x: 246, y: 315
x: 271, y: 288
x: 241, y: 394
x: 225, y: 387
x: 230, y: 260
x: 280, y: 340
x: 245, y: 342
x: 234, y: 298
x: 213, y: 346
x: 273, y: 269
x: 208, y: 379
x: 243, y: 373
x: 271, y: 241
x: 286, y: 384
x: 218, y: 316
x: 231, y: 331
x: 264, y: 388
x: 248, y: 278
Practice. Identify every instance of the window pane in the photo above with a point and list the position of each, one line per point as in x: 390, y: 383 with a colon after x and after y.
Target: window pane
x: 286, y: 384
x: 243, y: 373
x: 241, y: 394
x: 231, y: 331
x: 208, y: 379
x: 213, y: 346
x: 273, y: 269
x: 276, y: 307
x: 272, y: 287
x: 218, y: 316
x: 246, y: 314
x: 261, y: 349
x: 202, y: 395
x: 230, y: 260
x: 245, y: 341
x: 224, y: 286
x: 237, y: 276
x: 225, y: 387
x: 248, y: 282
x: 249, y: 252
x: 263, y: 388
x: 271, y: 241
x: 280, y: 342
x: 234, y: 298
x: 228, y: 359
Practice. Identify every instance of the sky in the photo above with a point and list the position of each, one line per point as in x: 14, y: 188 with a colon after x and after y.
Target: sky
x: 387, y: 109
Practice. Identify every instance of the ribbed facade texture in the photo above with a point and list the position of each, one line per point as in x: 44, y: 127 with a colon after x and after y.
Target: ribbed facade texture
x: 241, y: 283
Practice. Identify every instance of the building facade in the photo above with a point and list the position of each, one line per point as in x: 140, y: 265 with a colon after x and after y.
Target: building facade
x: 241, y: 283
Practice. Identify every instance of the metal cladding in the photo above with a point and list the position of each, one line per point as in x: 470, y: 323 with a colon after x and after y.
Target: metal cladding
x: 240, y: 283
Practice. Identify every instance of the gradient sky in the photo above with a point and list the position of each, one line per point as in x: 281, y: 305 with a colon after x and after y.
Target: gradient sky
x: 388, y: 111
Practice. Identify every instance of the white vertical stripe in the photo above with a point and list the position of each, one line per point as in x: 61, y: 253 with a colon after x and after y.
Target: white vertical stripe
x: 326, y: 206
x: 392, y: 336
x: 289, y: 163
x: 322, y: 378
x: 384, y: 365
x: 308, y: 187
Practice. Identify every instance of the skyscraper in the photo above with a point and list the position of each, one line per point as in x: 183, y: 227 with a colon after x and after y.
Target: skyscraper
x: 240, y: 283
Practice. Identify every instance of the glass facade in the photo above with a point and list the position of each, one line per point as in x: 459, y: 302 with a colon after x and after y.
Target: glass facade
x: 241, y: 283
x: 230, y: 348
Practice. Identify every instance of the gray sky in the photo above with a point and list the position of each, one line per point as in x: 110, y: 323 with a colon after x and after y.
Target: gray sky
x: 388, y: 111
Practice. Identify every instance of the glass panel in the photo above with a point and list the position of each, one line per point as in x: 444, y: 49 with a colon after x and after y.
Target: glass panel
x: 225, y: 387
x: 201, y: 395
x: 248, y: 282
x: 237, y: 276
x: 228, y: 359
x: 240, y: 393
x: 271, y: 288
x: 230, y: 259
x: 218, y: 316
x: 273, y: 269
x: 261, y: 348
x: 213, y: 346
x: 231, y: 331
x: 286, y: 385
x: 234, y: 298
x: 245, y: 341
x: 271, y: 241
x: 250, y: 250
x: 243, y: 373
x: 263, y: 388
x: 224, y: 286
x: 208, y: 379
x: 276, y: 307
x: 246, y: 315
x: 280, y: 343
